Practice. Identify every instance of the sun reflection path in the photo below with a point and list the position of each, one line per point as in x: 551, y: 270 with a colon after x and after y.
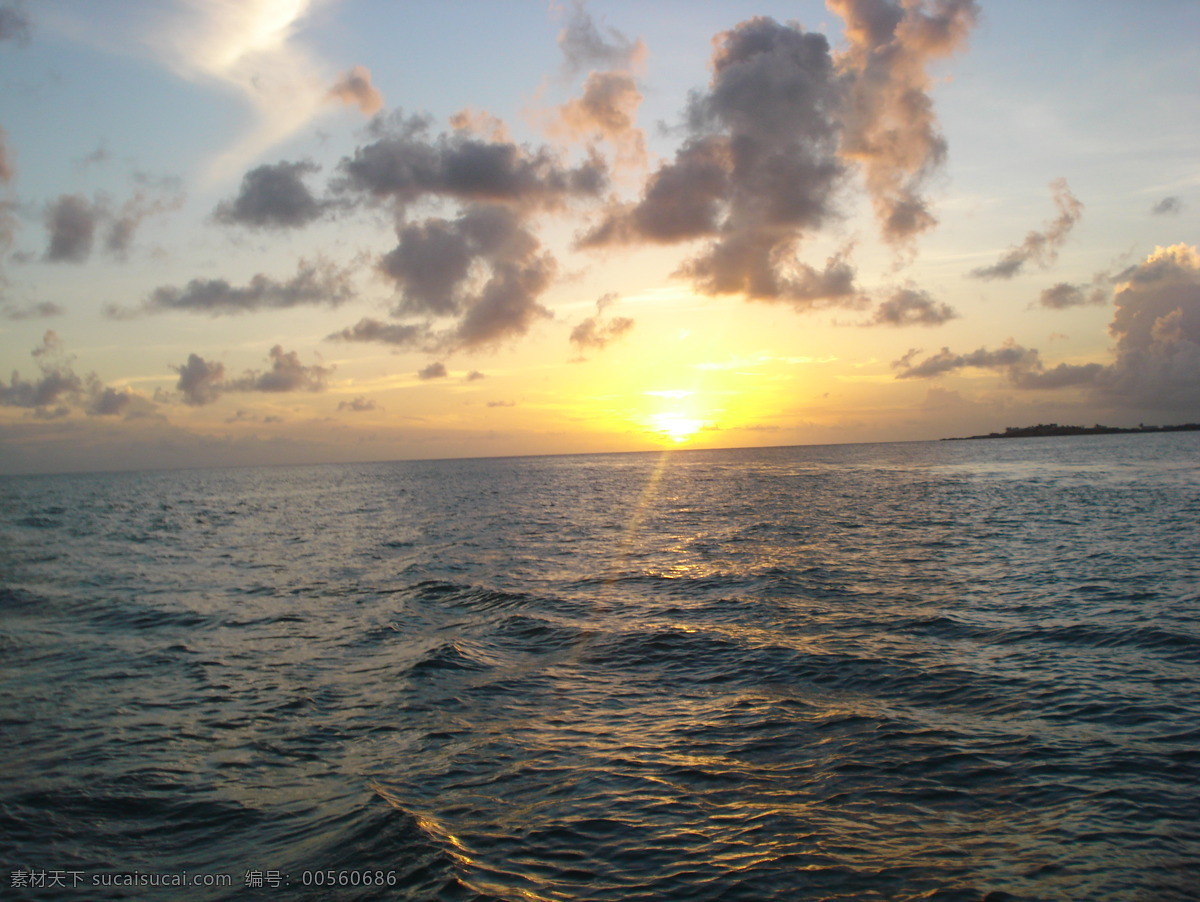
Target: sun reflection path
x: 637, y: 515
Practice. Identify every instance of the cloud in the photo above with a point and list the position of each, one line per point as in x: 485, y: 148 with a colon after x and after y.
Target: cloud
x: 273, y: 197
x: 757, y: 174
x: 607, y: 110
x: 475, y: 375
x: 1063, y: 295
x: 286, y: 374
x: 202, y: 381
x: 8, y: 169
x: 38, y: 310
x: 1168, y: 206
x: 912, y: 307
x: 890, y: 127
x: 71, y: 221
x: 1156, y: 326
x: 355, y: 88
x: 585, y: 46
x: 358, y: 404
x: 164, y: 198
x: 501, y: 403
x: 597, y: 331
x: 435, y: 370
x: 367, y: 329
x: 1040, y: 247
x: 14, y: 24
x: 485, y: 269
x: 1157, y: 330
x: 406, y: 164
x: 59, y: 389
x: 1011, y: 358
x: 250, y: 47
x: 315, y: 283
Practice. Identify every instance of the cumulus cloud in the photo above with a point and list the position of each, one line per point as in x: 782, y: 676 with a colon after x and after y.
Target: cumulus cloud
x: 318, y: 282
x: 202, y: 381
x: 598, y: 331
x: 1156, y: 325
x: 355, y: 89
x: 71, y: 222
x: 435, y: 370
x: 585, y: 45
x: 486, y: 269
x: 890, y: 128
x: 273, y: 197
x: 59, y: 389
x: 406, y: 164
x: 1168, y: 206
x: 359, y: 404
x: 1040, y: 247
x: 286, y: 374
x: 606, y: 111
x: 912, y: 307
x: 14, y: 24
x: 757, y: 174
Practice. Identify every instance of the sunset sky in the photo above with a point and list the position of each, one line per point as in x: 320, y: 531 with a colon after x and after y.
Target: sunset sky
x: 279, y: 231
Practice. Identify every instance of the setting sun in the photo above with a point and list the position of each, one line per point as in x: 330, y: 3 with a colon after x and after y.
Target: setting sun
x: 676, y: 426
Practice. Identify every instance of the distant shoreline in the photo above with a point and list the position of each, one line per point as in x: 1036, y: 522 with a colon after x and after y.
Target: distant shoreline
x: 1053, y: 429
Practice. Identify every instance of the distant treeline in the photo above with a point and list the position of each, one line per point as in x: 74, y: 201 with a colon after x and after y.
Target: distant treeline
x: 1054, y: 429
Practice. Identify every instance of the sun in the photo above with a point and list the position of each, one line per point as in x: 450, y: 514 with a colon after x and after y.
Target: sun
x: 676, y: 426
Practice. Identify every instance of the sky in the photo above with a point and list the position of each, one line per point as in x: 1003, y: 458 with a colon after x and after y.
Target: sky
x: 245, y: 232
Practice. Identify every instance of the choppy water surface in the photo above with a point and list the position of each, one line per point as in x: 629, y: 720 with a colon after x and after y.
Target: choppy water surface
x: 906, y: 671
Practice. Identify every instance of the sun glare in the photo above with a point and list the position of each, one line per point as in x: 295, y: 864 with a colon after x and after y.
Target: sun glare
x: 676, y: 426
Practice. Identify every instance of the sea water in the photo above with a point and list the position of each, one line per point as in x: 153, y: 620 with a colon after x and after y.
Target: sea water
x: 942, y: 670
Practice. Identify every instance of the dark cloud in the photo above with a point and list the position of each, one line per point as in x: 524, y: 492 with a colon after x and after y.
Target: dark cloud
x: 200, y: 380
x: 757, y: 174
x: 286, y: 374
x: 1063, y: 295
x: 39, y: 310
x: 1011, y: 358
x: 71, y: 221
x: 586, y: 46
x: 315, y: 283
x: 59, y: 389
x: 475, y: 375
x: 7, y: 167
x: 405, y: 164
x: 597, y: 331
x: 355, y: 88
x: 890, y: 127
x: 501, y: 403
x: 359, y: 404
x: 912, y: 307
x: 273, y: 197
x: 485, y: 269
x: 1040, y: 247
x: 14, y: 24
x: 1156, y: 325
x: 367, y: 329
x: 1167, y: 206
x: 435, y: 370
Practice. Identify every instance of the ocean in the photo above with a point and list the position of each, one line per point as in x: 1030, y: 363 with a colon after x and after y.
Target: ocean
x: 944, y: 670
